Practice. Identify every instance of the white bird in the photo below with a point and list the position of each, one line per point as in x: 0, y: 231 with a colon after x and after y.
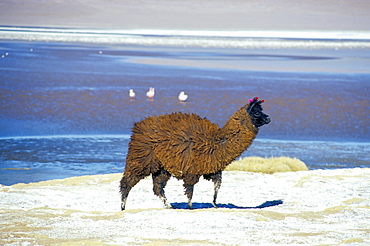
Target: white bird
x: 131, y: 93
x: 182, y: 96
x: 150, y: 93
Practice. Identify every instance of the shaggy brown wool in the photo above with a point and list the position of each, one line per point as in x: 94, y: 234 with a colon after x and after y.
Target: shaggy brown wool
x: 187, y: 146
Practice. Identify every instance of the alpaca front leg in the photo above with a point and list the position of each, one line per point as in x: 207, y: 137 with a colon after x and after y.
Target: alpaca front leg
x: 189, y: 193
x: 216, y: 179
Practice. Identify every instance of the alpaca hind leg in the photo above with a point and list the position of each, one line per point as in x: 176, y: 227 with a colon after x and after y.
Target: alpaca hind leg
x: 216, y: 179
x: 217, y: 184
x: 126, y: 184
x: 189, y: 182
x: 160, y: 179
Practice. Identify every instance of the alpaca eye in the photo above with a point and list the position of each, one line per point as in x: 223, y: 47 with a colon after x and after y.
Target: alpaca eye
x: 257, y: 114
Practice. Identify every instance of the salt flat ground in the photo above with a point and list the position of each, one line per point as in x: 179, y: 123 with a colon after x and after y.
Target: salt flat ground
x: 307, y: 207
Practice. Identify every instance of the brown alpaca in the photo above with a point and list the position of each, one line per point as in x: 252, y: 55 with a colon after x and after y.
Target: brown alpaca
x: 187, y: 147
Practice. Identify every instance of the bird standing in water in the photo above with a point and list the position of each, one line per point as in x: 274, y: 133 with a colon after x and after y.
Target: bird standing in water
x: 150, y: 93
x: 131, y: 93
x: 182, y: 96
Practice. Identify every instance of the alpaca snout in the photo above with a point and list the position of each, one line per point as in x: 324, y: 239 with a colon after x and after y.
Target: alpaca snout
x: 267, y: 120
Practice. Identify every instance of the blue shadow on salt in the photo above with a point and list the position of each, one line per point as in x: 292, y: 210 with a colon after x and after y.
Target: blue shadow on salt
x: 197, y: 205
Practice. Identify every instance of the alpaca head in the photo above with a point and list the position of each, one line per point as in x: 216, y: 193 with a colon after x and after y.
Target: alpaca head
x: 254, y: 110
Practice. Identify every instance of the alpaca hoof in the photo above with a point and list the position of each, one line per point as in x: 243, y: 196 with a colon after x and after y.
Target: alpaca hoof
x: 168, y: 206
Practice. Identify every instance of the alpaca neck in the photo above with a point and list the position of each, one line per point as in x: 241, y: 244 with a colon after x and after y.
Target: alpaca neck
x: 239, y: 123
x: 237, y: 135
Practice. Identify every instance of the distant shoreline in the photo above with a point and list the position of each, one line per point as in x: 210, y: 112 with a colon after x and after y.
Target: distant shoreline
x: 194, y: 38
x: 281, y: 34
x: 192, y: 15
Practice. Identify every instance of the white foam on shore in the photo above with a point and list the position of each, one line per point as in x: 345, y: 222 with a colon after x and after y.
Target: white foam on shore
x: 195, y: 38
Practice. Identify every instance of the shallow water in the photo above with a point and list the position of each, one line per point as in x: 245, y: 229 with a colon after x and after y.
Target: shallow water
x: 32, y: 159
x: 317, y: 100
x: 54, y: 88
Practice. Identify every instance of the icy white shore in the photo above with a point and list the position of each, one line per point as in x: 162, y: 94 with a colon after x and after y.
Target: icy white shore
x: 306, y: 207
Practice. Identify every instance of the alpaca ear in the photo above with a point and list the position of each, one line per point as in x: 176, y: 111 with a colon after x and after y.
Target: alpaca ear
x: 253, y: 102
